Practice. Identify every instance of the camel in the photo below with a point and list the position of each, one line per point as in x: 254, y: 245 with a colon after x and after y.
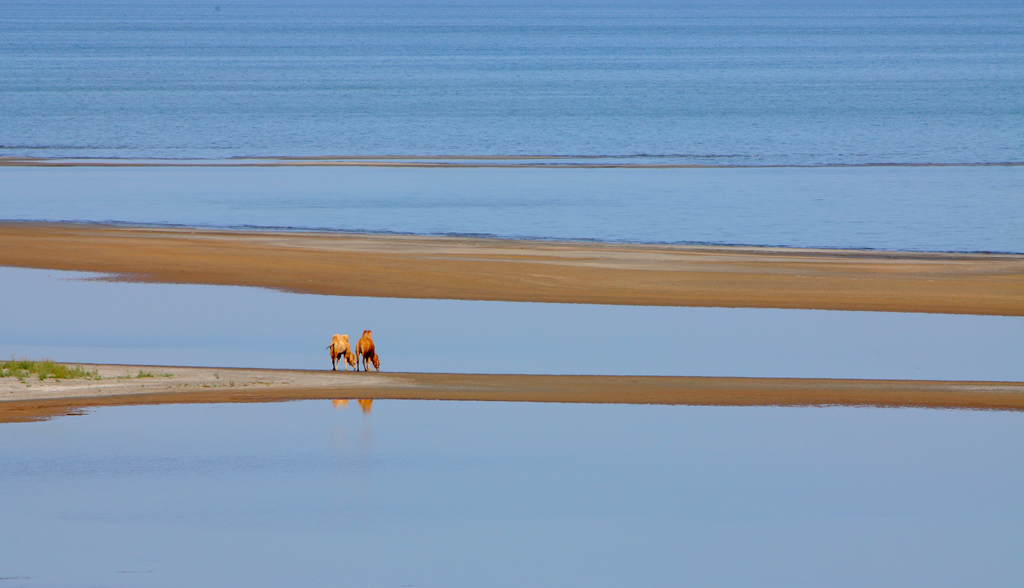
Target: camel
x: 366, y: 351
x: 341, y: 350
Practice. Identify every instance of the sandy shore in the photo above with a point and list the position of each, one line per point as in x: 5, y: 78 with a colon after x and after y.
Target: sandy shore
x: 493, y: 269
x: 121, y: 385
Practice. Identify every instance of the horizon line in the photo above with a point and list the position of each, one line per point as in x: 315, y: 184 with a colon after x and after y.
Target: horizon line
x: 447, y: 161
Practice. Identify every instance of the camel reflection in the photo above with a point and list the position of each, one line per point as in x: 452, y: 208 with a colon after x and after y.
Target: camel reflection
x: 364, y: 403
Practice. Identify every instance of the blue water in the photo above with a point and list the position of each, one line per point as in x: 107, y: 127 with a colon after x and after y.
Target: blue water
x: 747, y: 82
x: 479, y: 494
x: 469, y: 494
x: 66, y: 317
x: 888, y: 208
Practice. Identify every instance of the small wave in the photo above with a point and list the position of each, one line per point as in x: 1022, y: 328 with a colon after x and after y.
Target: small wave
x: 495, y: 236
x: 472, y: 161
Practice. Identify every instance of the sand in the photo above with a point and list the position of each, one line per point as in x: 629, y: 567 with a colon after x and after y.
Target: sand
x: 493, y: 269
x: 534, y: 271
x: 121, y: 385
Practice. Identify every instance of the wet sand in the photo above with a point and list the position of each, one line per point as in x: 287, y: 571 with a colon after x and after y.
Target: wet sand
x: 529, y: 271
x: 121, y: 386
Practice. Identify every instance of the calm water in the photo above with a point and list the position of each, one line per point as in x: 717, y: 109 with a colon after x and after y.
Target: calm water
x: 889, y: 208
x: 102, y: 322
x: 480, y: 494
x: 453, y: 494
x: 745, y: 82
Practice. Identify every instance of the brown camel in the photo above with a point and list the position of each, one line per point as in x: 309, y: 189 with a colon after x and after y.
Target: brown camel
x: 366, y: 350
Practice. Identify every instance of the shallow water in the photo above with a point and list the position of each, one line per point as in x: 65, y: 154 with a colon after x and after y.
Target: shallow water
x: 887, y: 208
x: 161, y: 324
x: 458, y: 494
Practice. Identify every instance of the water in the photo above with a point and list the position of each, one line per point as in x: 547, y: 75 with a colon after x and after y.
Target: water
x: 493, y: 494
x: 745, y: 82
x: 481, y: 494
x: 161, y: 324
x: 888, y: 208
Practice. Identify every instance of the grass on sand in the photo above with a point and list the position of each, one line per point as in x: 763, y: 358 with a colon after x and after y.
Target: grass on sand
x: 43, y: 369
x: 145, y: 374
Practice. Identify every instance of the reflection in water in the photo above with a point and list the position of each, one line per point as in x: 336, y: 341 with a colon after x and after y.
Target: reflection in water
x: 364, y: 403
x: 593, y: 494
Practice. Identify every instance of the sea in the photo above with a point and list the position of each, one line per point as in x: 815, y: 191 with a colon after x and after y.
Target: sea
x: 856, y: 124
x: 747, y: 82
x: 849, y: 124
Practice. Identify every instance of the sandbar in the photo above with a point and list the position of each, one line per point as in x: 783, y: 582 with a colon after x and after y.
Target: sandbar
x: 121, y: 385
x: 461, y: 268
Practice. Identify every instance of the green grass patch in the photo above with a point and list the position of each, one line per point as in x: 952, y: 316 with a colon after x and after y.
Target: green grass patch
x: 43, y: 369
x: 144, y: 374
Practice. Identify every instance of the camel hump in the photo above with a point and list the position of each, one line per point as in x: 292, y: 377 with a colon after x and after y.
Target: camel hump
x: 339, y: 343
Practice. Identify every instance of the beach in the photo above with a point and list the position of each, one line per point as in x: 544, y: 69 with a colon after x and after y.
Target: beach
x: 123, y: 385
x: 509, y: 270
x: 401, y: 266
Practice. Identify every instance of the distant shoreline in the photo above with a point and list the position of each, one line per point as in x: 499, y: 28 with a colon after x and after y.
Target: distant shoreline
x: 450, y: 161
x: 121, y: 385
x: 463, y: 268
